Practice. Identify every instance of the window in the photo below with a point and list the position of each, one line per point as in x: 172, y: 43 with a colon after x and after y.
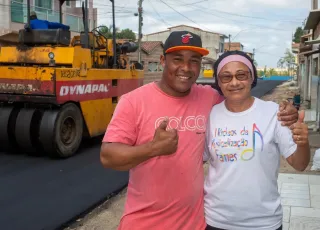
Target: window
x: 221, y: 45
x: 68, y: 3
x: 153, y: 66
x: 47, y: 4
x: 94, y: 24
x: 315, y: 66
x: 79, y: 3
x: 17, y: 14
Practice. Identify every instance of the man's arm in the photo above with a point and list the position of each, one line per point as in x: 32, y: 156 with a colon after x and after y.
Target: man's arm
x: 288, y: 114
x: 119, y: 150
x: 56, y: 25
x: 216, y: 97
x: 124, y: 157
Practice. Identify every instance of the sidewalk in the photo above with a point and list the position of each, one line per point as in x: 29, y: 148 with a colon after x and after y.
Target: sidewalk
x: 300, y: 197
x: 300, y: 191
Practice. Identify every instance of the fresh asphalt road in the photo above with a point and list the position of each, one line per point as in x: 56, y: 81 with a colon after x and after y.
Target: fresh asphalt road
x: 38, y: 193
x: 41, y: 193
x: 264, y: 86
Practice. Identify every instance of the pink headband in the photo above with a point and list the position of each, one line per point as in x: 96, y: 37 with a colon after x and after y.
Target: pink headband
x: 233, y: 58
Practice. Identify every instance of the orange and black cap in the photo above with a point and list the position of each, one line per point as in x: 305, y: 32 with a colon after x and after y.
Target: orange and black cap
x: 184, y: 40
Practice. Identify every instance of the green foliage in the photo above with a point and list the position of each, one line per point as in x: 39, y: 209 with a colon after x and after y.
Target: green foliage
x: 120, y: 34
x: 297, y: 35
x: 287, y: 60
x: 260, y: 73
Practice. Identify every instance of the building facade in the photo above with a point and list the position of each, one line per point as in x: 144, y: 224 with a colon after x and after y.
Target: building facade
x: 150, y: 58
x: 14, y: 16
x: 233, y: 46
x: 308, y: 62
x: 212, y: 41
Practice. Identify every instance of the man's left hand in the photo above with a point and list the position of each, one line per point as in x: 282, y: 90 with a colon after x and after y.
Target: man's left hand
x: 288, y: 114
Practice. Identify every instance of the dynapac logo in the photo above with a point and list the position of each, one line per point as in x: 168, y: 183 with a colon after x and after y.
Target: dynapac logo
x: 83, y: 89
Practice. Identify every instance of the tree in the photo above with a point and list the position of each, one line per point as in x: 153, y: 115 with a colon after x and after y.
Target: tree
x: 127, y: 34
x: 272, y: 72
x: 107, y: 31
x: 297, y: 35
x: 260, y: 73
x: 288, y: 59
x: 123, y: 34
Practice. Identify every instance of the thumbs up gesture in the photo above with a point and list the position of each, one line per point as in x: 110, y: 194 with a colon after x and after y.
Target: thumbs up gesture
x: 165, y: 142
x: 300, y: 131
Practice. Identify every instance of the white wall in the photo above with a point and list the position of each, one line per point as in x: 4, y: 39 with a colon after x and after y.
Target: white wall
x: 5, y: 14
x: 210, y: 41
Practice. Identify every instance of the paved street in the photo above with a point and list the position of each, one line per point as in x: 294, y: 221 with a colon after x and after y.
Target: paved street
x: 264, y: 87
x: 43, y: 194
x: 300, y: 196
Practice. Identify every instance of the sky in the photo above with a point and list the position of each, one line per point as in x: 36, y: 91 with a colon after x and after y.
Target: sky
x: 264, y: 25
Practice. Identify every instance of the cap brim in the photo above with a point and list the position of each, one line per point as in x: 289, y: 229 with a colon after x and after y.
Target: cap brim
x: 202, y: 51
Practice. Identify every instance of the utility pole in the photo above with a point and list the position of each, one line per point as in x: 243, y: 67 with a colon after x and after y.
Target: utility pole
x: 314, y: 4
x: 86, y: 25
x: 229, y: 41
x: 140, y: 10
x: 113, y: 37
x: 253, y: 54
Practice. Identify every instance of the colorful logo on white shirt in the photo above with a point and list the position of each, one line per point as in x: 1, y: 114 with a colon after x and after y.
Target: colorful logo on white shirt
x: 230, y: 145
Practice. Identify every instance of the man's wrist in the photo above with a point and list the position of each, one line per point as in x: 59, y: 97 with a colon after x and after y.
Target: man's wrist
x: 151, y: 149
x: 306, y: 145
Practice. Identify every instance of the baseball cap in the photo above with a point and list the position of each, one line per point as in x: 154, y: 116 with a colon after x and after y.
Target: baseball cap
x: 184, y: 40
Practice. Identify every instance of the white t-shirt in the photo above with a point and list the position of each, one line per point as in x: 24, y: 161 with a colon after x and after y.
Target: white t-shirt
x: 243, y: 149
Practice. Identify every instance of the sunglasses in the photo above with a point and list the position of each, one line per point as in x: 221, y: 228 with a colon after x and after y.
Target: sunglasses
x: 240, y: 76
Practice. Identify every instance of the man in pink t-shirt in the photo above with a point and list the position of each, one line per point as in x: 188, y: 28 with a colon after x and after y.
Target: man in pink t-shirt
x: 157, y: 132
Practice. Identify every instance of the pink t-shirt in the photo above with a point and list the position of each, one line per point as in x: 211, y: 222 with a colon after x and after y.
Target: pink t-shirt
x: 164, y: 192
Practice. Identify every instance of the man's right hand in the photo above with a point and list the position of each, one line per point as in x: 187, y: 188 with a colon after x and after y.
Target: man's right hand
x: 165, y: 142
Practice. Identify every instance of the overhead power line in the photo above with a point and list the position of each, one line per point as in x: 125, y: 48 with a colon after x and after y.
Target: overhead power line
x: 236, y: 21
x: 167, y: 24
x: 185, y: 16
x: 241, y: 15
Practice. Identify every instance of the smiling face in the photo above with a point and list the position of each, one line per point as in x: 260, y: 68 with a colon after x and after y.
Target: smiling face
x: 235, y: 81
x: 180, y: 71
